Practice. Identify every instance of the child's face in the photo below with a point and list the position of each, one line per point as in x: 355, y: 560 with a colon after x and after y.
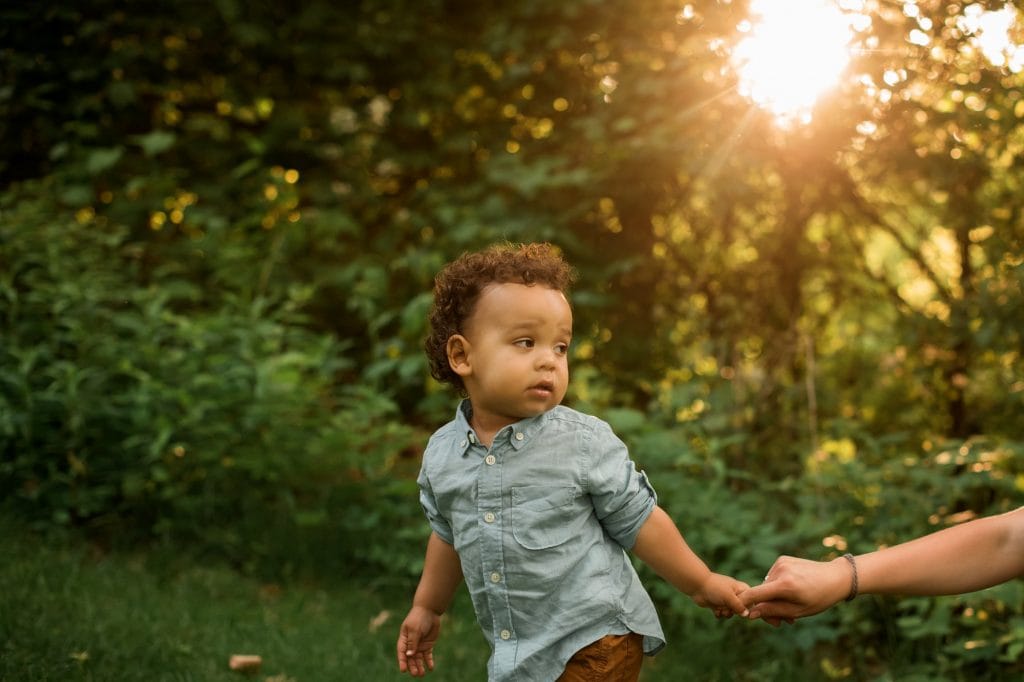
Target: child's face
x: 516, y: 361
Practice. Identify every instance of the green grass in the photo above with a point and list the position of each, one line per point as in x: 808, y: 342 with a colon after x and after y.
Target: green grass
x: 69, y: 612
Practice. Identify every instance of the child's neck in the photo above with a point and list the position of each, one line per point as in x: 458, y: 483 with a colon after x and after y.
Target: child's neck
x: 486, y: 426
x: 483, y: 434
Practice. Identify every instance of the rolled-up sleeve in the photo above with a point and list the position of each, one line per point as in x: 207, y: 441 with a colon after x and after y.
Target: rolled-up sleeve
x: 438, y: 523
x: 622, y: 496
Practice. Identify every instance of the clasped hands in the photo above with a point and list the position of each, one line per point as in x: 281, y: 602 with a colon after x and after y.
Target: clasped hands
x: 793, y: 588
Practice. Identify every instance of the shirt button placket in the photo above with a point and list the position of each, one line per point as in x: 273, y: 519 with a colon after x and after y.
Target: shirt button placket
x: 492, y: 566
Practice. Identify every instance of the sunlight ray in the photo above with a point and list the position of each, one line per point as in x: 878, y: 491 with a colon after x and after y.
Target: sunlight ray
x: 791, y: 55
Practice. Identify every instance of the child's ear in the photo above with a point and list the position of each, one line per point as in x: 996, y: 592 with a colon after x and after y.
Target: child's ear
x: 458, y: 354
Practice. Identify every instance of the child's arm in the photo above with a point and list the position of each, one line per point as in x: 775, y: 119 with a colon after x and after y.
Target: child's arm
x: 660, y: 545
x: 442, y: 573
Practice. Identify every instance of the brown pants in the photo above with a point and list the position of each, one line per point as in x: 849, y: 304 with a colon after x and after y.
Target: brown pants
x: 613, y: 658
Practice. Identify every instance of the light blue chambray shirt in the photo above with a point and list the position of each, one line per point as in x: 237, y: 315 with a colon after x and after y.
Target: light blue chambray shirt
x: 541, y: 522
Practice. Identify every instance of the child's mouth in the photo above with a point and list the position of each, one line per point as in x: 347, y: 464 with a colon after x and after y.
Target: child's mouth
x: 544, y: 389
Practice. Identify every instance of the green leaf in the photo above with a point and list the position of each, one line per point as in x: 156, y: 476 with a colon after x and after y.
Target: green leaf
x: 156, y: 142
x: 103, y: 158
x: 121, y: 93
x: 76, y: 195
x: 625, y: 420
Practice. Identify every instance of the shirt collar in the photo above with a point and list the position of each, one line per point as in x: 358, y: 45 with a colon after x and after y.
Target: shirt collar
x: 518, y: 434
x: 462, y: 427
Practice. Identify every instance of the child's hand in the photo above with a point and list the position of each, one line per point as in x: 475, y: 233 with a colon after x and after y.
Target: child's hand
x: 719, y: 593
x: 416, y: 641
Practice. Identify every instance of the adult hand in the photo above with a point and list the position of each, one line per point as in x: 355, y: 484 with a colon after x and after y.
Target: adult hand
x: 795, y: 588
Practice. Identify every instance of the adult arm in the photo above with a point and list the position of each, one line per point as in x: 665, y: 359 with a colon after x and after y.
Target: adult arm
x: 442, y: 573
x: 660, y: 545
x: 962, y: 558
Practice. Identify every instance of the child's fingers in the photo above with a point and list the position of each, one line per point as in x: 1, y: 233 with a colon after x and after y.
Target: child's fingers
x: 735, y: 604
x: 416, y: 665
x: 412, y: 644
x: 408, y: 659
x: 400, y: 651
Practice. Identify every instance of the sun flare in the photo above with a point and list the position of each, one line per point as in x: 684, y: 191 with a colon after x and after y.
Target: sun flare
x: 792, y: 53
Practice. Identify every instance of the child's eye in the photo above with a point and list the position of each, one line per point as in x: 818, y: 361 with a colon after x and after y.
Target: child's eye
x: 524, y: 343
x: 562, y: 348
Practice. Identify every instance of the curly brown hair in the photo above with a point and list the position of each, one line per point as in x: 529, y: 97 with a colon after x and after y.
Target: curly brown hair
x: 459, y: 284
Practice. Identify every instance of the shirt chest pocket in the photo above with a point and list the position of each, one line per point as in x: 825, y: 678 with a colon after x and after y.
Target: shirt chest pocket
x: 543, y: 516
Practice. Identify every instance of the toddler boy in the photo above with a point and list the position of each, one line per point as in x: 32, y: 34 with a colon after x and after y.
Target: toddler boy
x: 533, y: 503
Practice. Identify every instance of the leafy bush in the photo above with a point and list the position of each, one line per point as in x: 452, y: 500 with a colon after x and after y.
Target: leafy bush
x: 847, y: 496
x: 168, y: 411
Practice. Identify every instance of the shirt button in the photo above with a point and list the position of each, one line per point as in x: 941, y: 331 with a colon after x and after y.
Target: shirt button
x: 505, y: 634
x: 463, y: 444
x: 489, y: 517
x: 496, y: 578
x: 490, y: 459
x: 519, y: 436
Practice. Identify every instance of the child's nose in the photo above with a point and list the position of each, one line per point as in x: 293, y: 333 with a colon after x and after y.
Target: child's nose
x: 547, y: 358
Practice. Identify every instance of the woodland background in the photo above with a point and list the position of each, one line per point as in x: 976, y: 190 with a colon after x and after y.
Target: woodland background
x: 220, y: 221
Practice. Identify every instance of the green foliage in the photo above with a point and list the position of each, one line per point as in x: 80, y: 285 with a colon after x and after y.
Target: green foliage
x: 172, y: 411
x: 219, y: 228
x: 848, y: 496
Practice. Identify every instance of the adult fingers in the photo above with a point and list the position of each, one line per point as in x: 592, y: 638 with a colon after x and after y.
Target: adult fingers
x: 768, y: 591
x: 774, y: 611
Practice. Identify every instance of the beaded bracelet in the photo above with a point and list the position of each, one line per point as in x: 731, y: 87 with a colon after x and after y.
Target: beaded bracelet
x: 853, y: 584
